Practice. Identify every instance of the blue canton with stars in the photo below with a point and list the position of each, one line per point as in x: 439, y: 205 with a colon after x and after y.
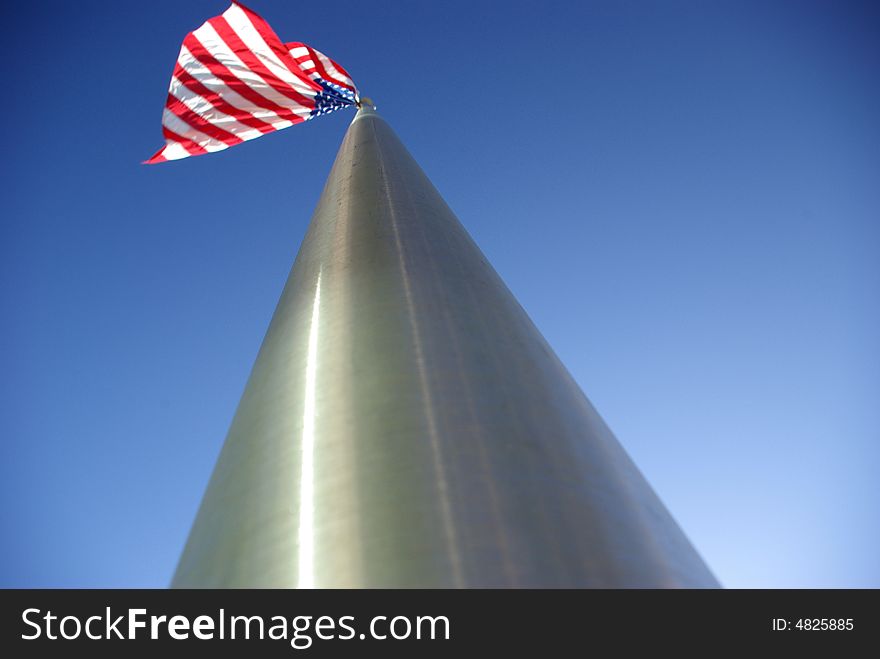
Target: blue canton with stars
x: 334, y: 97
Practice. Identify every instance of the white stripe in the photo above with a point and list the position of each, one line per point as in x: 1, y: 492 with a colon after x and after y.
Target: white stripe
x: 176, y: 125
x: 331, y: 70
x: 202, y: 107
x: 203, y: 74
x: 174, y: 151
x: 212, y: 42
x: 246, y: 31
x: 308, y: 64
x: 299, y: 51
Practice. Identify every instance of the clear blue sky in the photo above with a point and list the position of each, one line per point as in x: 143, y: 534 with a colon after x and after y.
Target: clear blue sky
x: 685, y: 196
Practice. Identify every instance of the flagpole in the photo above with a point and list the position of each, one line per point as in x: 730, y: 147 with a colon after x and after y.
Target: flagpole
x: 406, y: 425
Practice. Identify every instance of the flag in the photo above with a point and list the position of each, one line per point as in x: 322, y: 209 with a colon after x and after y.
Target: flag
x: 235, y: 80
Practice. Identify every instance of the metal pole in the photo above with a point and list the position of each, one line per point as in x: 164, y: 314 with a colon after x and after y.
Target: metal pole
x: 406, y: 425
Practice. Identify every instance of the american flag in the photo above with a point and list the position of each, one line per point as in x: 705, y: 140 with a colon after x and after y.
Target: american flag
x: 235, y: 80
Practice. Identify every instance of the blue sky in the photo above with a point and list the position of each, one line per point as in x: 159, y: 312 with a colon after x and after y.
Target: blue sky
x: 685, y: 196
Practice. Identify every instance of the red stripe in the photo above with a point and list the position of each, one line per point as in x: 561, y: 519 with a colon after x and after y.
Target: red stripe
x: 251, y: 61
x: 319, y: 69
x: 341, y: 70
x: 201, y: 124
x: 156, y: 158
x: 319, y: 66
x: 193, y: 148
x: 222, y: 73
x: 217, y: 101
x: 275, y: 44
x: 309, y: 72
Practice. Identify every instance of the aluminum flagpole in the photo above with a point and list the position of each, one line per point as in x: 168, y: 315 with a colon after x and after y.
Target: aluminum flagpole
x: 406, y: 425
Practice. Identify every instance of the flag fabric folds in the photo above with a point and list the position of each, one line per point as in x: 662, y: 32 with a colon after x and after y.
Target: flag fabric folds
x: 235, y: 80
